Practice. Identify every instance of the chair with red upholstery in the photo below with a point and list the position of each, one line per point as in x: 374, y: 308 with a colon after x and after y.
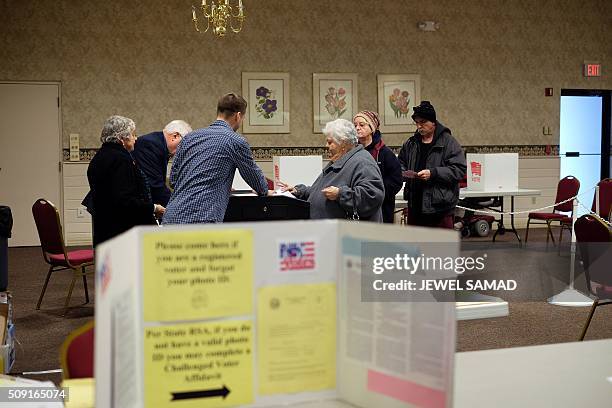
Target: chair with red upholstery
x: 605, y: 198
x: 54, y: 251
x: 567, y: 188
x: 77, y: 353
x: 605, y: 205
x: 593, y: 238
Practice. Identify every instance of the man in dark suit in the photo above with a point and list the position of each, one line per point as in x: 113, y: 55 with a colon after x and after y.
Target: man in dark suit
x: 152, y: 153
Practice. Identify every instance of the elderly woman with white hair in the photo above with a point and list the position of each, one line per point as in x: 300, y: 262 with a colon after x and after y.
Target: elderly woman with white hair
x: 351, y: 185
x: 119, y: 195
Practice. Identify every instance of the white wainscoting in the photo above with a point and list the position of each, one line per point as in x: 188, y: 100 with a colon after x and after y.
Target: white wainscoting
x: 77, y: 221
x: 267, y: 168
x: 540, y: 173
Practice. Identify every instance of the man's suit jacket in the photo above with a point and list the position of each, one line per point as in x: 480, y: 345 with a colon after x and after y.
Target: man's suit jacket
x: 152, y: 155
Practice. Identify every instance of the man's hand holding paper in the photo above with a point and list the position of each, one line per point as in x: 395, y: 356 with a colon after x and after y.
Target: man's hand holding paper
x: 409, y: 174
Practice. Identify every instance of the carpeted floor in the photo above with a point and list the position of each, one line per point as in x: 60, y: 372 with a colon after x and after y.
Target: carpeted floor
x: 532, y: 320
x: 40, y: 333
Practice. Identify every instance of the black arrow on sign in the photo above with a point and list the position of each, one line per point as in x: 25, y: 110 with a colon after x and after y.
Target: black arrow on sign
x: 217, y: 392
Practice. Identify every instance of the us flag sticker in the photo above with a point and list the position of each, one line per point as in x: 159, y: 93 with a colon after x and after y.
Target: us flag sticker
x: 297, y: 255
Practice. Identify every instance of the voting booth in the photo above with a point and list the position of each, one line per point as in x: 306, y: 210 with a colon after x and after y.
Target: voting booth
x: 296, y: 169
x: 266, y: 314
x: 492, y: 172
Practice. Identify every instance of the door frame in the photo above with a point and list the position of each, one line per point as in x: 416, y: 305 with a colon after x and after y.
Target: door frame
x: 606, y: 122
x: 60, y: 153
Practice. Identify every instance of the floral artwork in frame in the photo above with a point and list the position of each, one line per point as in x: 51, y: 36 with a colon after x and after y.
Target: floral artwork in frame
x: 267, y: 96
x: 334, y: 96
x: 397, y: 95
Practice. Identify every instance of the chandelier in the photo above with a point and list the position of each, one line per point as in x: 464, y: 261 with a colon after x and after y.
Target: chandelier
x: 218, y: 16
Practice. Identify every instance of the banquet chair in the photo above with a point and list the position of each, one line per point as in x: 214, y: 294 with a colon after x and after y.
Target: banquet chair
x: 54, y: 250
x: 566, y: 188
x: 77, y: 353
x: 605, y: 198
x: 605, y: 206
x: 593, y: 237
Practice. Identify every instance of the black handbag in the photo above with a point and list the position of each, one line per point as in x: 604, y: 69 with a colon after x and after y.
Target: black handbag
x: 355, y: 215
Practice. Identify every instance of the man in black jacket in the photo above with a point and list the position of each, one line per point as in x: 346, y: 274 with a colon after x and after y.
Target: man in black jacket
x: 432, y: 164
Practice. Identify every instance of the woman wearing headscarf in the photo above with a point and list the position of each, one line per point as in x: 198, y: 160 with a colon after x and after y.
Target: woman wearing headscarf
x: 119, y: 195
x: 367, y: 124
x: 351, y: 185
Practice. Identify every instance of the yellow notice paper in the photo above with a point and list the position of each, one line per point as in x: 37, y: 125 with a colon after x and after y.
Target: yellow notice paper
x: 199, y: 365
x: 192, y: 275
x: 82, y: 393
x: 296, y: 338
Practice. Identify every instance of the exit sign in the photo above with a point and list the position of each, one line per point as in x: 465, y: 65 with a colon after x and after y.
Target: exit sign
x: 592, y: 70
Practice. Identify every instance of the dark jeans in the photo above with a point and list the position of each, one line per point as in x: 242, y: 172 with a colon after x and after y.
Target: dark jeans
x: 444, y: 220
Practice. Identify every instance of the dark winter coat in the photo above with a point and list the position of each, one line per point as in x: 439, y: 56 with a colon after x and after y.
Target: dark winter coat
x: 447, y: 164
x: 391, y: 172
x: 119, y: 193
x: 361, y: 187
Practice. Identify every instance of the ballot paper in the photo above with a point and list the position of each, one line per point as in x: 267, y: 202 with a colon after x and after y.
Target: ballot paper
x: 279, y: 192
x: 409, y: 174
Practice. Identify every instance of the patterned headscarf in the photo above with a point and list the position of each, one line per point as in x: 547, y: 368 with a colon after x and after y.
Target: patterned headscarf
x: 371, y: 118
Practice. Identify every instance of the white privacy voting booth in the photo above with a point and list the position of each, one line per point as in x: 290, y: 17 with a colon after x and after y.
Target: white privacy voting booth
x: 264, y: 314
x: 296, y: 169
x: 492, y: 172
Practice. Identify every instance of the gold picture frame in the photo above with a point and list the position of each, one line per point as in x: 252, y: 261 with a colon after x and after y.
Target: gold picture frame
x: 267, y: 95
x: 397, y: 95
x: 334, y: 96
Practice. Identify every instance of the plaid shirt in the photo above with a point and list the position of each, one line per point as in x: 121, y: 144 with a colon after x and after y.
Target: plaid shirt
x: 203, y: 171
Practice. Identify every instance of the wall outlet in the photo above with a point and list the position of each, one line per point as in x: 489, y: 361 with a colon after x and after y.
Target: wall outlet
x: 81, y: 212
x: 74, y: 147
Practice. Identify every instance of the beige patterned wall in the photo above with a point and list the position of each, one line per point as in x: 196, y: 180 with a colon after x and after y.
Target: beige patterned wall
x: 485, y: 70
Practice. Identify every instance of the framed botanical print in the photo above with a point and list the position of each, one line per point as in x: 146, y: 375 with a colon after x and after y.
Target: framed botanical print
x: 397, y: 95
x: 267, y: 95
x: 334, y: 96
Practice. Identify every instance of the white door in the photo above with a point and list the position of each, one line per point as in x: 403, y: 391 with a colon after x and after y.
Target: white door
x: 30, y: 153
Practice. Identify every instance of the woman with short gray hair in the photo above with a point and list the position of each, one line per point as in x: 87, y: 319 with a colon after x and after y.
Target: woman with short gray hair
x: 342, y: 132
x: 117, y: 129
x: 351, y: 185
x: 119, y: 195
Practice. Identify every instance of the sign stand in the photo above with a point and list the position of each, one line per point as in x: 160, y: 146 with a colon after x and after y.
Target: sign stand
x: 570, y: 296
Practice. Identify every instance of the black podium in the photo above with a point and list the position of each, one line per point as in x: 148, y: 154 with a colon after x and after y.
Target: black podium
x: 268, y: 208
